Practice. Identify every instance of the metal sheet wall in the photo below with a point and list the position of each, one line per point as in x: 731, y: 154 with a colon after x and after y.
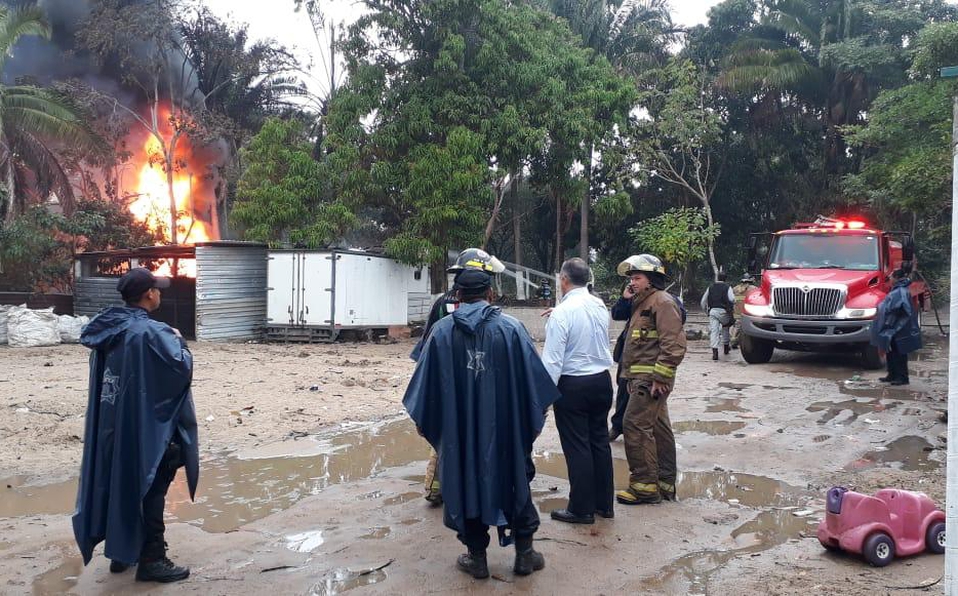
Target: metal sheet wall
x: 230, y: 292
x: 93, y: 294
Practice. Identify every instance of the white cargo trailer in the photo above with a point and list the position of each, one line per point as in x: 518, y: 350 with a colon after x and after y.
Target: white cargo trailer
x: 315, y: 294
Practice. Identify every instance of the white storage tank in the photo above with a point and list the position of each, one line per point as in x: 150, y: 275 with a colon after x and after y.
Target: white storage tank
x: 315, y: 294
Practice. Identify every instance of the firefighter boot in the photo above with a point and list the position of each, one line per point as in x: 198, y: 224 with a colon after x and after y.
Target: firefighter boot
x: 639, y: 493
x: 667, y: 490
x: 527, y: 558
x: 474, y: 563
x: 714, y: 353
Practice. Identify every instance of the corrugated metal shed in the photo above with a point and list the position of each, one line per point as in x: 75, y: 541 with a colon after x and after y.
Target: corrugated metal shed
x: 93, y: 294
x: 230, y: 291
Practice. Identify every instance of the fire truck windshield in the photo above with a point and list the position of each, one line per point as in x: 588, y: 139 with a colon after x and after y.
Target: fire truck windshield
x: 825, y: 251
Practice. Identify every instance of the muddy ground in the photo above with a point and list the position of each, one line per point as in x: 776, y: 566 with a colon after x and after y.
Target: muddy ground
x: 311, y: 480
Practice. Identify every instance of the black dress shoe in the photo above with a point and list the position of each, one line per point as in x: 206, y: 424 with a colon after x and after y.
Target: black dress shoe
x: 163, y: 571
x: 118, y: 567
x: 605, y: 513
x: 564, y: 515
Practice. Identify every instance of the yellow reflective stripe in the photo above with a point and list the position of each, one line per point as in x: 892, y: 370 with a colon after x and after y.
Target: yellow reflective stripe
x: 645, y: 334
x: 642, y: 369
x: 478, y: 264
x: 665, y: 371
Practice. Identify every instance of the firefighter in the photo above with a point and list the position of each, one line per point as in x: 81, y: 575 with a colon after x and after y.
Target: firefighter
x: 474, y: 259
x: 654, y: 347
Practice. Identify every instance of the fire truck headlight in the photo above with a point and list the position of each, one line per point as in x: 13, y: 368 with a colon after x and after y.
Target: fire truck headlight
x: 756, y: 310
x: 856, y: 313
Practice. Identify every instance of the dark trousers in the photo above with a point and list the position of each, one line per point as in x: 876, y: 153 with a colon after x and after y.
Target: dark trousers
x: 897, y: 364
x: 621, y: 402
x: 154, y: 545
x: 581, y: 419
x: 524, y: 522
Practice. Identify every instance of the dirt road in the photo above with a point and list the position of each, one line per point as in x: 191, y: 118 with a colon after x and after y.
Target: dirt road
x: 311, y: 480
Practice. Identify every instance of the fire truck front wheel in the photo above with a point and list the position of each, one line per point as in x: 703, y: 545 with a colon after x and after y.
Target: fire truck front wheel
x: 756, y: 350
x: 872, y: 358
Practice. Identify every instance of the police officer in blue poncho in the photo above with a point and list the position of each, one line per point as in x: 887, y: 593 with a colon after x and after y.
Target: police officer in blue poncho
x: 896, y: 330
x: 479, y: 396
x: 140, y: 429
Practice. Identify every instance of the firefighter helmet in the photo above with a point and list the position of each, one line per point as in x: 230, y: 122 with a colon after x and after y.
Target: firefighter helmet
x: 643, y: 263
x: 478, y: 259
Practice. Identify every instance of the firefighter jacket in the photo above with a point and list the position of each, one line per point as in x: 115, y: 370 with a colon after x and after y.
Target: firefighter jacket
x: 655, y: 338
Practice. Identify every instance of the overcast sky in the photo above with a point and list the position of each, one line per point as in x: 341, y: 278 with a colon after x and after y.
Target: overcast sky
x: 277, y: 19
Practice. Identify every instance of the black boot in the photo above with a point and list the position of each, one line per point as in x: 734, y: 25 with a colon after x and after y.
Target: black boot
x: 728, y: 349
x: 714, y: 353
x: 118, y: 567
x: 527, y: 559
x: 162, y: 570
x: 474, y: 563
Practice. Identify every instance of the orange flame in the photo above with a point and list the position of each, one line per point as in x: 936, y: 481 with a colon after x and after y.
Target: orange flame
x: 151, y: 199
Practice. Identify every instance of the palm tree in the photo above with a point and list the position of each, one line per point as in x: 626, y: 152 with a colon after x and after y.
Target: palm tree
x: 32, y: 121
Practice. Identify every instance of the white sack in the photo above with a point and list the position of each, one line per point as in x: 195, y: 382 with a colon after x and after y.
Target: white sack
x: 3, y: 325
x: 32, y: 328
x: 69, y: 328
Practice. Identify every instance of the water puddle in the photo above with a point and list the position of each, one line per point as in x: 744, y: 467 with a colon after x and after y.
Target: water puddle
x: 403, y: 498
x: 906, y: 453
x: 61, y: 579
x: 856, y: 408
x: 881, y: 391
x: 724, y: 404
x: 305, y: 542
x: 342, y: 580
x: 377, y: 533
x: 690, y: 574
x: 708, y: 427
x: 235, y: 491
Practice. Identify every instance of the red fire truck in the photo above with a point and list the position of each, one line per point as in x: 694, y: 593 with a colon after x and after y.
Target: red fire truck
x: 821, y: 284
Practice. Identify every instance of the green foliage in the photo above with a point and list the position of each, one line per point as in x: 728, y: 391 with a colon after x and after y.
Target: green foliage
x: 37, y: 249
x: 280, y: 196
x: 680, y: 236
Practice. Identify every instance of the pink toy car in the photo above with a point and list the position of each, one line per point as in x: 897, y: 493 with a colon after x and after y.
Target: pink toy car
x: 893, y: 522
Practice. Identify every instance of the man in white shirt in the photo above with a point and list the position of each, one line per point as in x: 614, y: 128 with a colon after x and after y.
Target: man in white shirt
x: 578, y: 359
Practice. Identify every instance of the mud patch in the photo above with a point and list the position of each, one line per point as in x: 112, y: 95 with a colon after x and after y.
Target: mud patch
x: 59, y: 580
x: 906, y: 453
x: 708, y: 427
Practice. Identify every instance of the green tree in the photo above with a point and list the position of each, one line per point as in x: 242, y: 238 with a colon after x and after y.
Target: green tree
x: 281, y: 194
x: 33, y: 121
x: 678, y: 143
x: 680, y: 237
x: 906, y: 147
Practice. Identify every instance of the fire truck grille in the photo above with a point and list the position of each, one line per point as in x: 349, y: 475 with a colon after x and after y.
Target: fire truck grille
x: 807, y: 302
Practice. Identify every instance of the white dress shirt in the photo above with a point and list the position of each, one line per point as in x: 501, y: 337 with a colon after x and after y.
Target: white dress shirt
x: 577, y: 337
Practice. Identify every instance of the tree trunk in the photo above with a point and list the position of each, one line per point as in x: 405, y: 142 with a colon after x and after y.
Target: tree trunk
x: 11, y: 184
x: 584, y: 210
x: 497, y: 206
x: 560, y: 249
x: 708, y: 218
x: 521, y: 289
x: 168, y: 156
x: 438, y: 280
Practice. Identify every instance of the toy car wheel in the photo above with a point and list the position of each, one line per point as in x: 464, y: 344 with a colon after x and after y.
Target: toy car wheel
x: 935, y: 538
x: 879, y: 549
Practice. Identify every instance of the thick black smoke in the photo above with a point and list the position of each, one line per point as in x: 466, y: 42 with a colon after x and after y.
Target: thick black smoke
x: 61, y: 58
